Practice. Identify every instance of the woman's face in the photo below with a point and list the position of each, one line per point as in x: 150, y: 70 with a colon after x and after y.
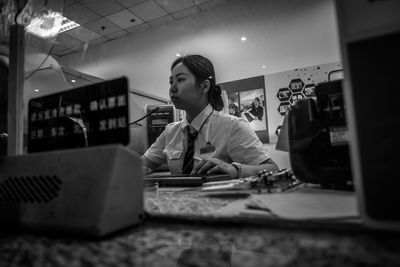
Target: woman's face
x: 183, y: 91
x: 256, y: 103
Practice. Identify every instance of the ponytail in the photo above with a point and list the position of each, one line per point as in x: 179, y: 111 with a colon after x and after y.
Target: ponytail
x: 215, y: 97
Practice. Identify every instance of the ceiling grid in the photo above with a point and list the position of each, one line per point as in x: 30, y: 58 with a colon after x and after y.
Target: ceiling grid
x: 106, y: 20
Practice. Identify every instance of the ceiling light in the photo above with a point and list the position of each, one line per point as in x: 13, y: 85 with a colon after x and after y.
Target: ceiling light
x: 73, y: 81
x: 243, y: 38
x: 49, y: 24
x: 263, y: 66
x: 36, y: 90
x: 178, y: 55
x: 68, y: 25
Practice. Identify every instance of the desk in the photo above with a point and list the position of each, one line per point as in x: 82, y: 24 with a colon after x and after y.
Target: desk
x: 162, y: 240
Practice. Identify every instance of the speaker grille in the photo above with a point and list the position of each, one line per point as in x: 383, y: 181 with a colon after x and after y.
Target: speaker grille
x: 30, y: 189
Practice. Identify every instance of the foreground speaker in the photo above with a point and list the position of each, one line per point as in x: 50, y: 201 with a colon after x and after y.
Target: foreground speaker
x: 90, y: 192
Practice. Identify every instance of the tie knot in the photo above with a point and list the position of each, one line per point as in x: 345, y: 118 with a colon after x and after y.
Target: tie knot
x: 191, y: 136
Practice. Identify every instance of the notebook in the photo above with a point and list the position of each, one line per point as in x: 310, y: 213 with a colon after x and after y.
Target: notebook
x: 166, y: 179
x: 92, y: 115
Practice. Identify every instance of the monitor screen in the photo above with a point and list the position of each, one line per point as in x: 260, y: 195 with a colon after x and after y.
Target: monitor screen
x: 91, y: 115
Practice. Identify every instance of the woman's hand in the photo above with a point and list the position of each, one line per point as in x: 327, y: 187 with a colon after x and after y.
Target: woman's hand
x: 212, y: 166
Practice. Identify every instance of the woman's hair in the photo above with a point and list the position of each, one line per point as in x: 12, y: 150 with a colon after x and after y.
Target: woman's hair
x: 203, y: 69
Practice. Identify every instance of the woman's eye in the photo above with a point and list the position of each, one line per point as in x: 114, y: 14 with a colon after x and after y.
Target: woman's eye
x: 181, y: 79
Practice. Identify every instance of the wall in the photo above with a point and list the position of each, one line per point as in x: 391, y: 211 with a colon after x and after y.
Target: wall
x: 281, y: 81
x: 281, y: 34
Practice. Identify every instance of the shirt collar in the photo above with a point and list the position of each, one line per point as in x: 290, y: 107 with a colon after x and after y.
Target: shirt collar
x: 198, y: 121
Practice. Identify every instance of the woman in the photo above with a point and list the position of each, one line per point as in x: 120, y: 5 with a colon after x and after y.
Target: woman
x: 234, y: 148
x: 257, y: 110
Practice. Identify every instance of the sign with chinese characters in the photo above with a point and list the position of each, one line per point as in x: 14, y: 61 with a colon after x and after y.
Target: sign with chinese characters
x: 92, y: 115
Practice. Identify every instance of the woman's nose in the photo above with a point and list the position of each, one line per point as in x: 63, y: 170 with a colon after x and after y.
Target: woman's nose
x: 172, y: 87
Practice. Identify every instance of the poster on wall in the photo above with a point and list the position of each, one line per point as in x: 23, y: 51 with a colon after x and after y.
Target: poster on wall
x: 247, y: 100
x: 285, y: 89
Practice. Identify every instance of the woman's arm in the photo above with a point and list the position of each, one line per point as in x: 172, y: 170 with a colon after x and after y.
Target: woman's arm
x: 213, y: 165
x: 252, y: 170
x: 148, y: 165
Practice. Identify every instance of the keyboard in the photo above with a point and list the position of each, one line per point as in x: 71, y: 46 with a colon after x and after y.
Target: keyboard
x: 183, y: 180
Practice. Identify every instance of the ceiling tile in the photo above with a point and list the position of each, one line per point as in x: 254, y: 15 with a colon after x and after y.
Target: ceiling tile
x: 186, y: 12
x: 55, y: 5
x: 80, y: 14
x: 57, y: 49
x: 102, y: 26
x: 148, y: 11
x: 68, y: 51
x: 117, y: 35
x: 161, y: 21
x: 138, y: 28
x: 124, y: 19
x: 83, y: 34
x: 69, y: 2
x: 129, y: 3
x: 198, y: 2
x: 103, y: 8
x: 212, y: 4
x: 172, y: 6
x: 67, y: 41
x: 98, y: 41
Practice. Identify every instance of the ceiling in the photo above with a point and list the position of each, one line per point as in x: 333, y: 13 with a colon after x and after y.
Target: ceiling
x: 106, y: 20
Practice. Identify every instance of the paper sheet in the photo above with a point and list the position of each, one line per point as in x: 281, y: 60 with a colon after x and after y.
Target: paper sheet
x: 302, y: 204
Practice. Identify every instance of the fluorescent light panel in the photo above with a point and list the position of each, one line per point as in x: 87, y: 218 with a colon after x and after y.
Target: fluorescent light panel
x: 50, y: 24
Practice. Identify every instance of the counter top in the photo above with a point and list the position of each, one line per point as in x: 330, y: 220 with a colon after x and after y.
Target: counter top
x: 180, y: 232
x: 165, y: 243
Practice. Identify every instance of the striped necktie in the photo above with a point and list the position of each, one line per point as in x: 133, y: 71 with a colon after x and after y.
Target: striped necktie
x: 188, y: 161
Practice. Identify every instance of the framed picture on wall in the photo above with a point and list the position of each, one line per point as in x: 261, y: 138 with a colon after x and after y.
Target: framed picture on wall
x: 252, y: 108
x: 247, y: 100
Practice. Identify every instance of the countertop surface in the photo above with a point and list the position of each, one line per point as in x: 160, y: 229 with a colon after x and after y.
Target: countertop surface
x: 179, y: 231
x: 185, y: 243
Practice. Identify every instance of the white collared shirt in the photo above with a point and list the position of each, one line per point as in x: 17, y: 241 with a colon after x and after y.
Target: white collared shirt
x: 232, y: 137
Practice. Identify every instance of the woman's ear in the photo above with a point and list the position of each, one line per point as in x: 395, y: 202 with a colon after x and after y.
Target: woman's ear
x: 205, y: 86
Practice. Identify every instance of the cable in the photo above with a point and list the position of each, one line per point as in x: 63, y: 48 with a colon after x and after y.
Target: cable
x: 145, y: 116
x: 18, y: 12
x: 41, y: 64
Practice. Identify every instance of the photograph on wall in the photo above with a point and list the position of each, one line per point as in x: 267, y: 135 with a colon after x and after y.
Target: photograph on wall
x: 252, y: 108
x: 233, y: 104
x: 247, y: 100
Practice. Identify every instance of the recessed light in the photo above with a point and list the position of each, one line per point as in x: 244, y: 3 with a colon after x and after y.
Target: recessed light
x: 178, y: 55
x: 263, y: 66
x: 36, y: 90
x: 243, y: 38
x: 73, y: 81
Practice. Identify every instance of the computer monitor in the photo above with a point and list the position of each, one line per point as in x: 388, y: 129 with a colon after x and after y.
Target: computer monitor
x: 91, y: 115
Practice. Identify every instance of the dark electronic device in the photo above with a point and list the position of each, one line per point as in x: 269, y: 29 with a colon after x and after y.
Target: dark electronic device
x: 75, y: 190
x: 91, y: 115
x: 157, y: 121
x: 318, y: 138
x: 370, y: 40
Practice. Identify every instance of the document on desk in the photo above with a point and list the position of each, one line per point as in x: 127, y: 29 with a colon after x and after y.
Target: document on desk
x: 302, y: 204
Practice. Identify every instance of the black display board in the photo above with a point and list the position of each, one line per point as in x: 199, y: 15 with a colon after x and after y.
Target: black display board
x: 91, y: 115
